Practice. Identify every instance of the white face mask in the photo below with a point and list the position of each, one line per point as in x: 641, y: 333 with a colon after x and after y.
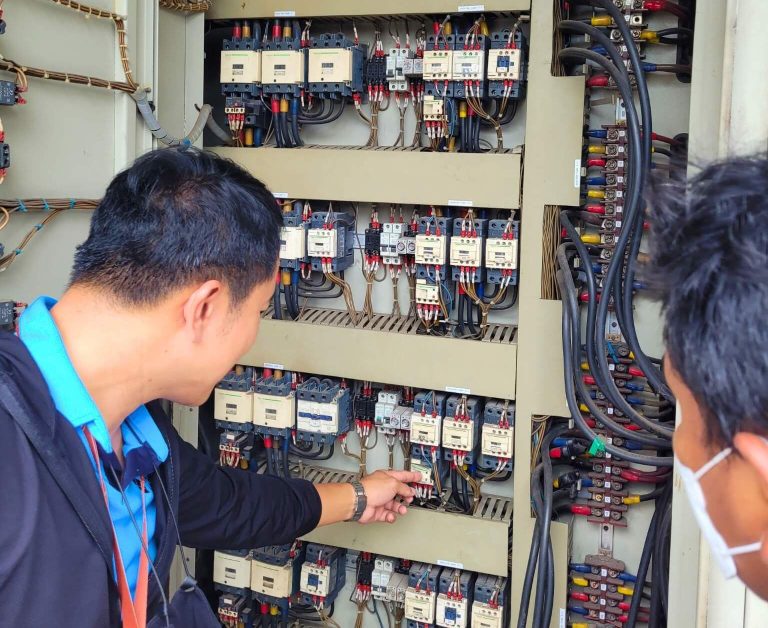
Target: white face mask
x: 720, y: 550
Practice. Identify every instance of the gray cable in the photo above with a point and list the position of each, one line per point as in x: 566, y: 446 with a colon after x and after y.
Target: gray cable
x: 142, y: 103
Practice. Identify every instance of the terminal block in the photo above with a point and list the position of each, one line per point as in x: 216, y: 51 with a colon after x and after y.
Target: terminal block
x: 603, y: 589
x: 233, y: 400
x: 421, y: 595
x: 235, y: 448
x: 467, y: 249
x: 460, y: 436
x: 506, y: 69
x: 438, y: 65
x: 454, y: 600
x: 336, y: 65
x: 497, y: 436
x: 469, y: 76
x: 501, y: 251
x: 490, y: 608
x: 322, y: 574
x: 323, y: 411
x: 274, y: 404
x: 331, y: 241
x: 293, y: 238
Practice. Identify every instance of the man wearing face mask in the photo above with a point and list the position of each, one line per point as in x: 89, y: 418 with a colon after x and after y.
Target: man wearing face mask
x: 709, y: 259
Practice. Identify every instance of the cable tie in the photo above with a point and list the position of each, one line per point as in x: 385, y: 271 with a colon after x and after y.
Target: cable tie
x: 38, y: 226
x: 22, y: 206
x: 597, y: 447
x: 45, y: 205
x: 18, y: 252
x: 72, y: 203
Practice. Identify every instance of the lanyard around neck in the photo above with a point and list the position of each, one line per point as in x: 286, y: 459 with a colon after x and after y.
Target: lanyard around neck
x: 134, y: 610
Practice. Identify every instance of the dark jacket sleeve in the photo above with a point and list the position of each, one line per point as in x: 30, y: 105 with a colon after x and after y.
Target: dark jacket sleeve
x: 224, y: 508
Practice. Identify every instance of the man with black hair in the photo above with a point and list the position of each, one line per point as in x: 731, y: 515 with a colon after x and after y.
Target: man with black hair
x: 709, y: 259
x: 96, y: 486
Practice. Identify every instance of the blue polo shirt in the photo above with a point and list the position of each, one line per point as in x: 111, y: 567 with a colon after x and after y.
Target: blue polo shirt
x: 143, y: 443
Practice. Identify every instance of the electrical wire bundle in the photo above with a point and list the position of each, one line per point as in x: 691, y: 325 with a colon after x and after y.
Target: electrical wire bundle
x: 128, y: 85
x: 616, y: 394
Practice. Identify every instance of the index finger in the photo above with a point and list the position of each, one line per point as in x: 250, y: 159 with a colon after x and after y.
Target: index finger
x: 405, y: 476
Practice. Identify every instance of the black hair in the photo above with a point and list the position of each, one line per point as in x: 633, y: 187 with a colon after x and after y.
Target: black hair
x: 177, y: 216
x: 709, y: 261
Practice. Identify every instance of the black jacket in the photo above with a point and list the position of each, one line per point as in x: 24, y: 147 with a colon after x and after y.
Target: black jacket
x: 56, y: 565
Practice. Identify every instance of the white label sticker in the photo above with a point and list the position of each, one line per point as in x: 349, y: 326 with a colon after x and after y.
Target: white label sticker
x: 285, y: 13
x: 606, y: 513
x: 451, y: 564
x: 607, y: 469
x: 471, y: 8
x: 456, y: 203
x: 280, y: 194
x: 458, y: 391
x: 562, y: 618
x: 607, y: 485
x: 276, y: 367
x: 603, y: 587
x: 577, y: 173
x: 604, y: 573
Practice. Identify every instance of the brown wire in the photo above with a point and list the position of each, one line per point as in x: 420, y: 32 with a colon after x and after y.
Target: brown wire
x: 193, y: 6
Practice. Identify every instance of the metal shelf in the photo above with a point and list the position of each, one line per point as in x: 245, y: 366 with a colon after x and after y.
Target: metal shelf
x: 389, y: 352
x: 238, y: 9
x: 427, y: 535
x: 345, y: 174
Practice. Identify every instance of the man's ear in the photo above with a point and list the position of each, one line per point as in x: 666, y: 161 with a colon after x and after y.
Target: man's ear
x: 754, y: 450
x: 200, y: 307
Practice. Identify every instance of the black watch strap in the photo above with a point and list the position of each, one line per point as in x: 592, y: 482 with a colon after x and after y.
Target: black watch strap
x: 361, y: 500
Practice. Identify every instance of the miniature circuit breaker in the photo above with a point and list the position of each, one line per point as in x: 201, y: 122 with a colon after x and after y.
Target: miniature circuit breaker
x: 323, y: 410
x: 322, y: 574
x: 386, y: 403
x: 274, y: 404
x: 461, y: 425
x: 454, y: 599
x: 421, y: 595
x: 497, y: 436
x: 391, y: 234
x: 397, y: 60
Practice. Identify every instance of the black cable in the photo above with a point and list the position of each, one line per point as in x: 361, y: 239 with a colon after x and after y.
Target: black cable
x: 570, y: 317
x: 572, y: 373
x: 530, y: 570
x: 276, y: 305
x: 645, y: 557
x: 541, y: 619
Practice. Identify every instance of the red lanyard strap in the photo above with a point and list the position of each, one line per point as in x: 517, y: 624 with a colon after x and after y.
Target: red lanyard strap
x: 134, y: 610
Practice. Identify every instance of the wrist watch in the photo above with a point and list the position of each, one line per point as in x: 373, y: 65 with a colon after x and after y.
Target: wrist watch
x: 361, y: 500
